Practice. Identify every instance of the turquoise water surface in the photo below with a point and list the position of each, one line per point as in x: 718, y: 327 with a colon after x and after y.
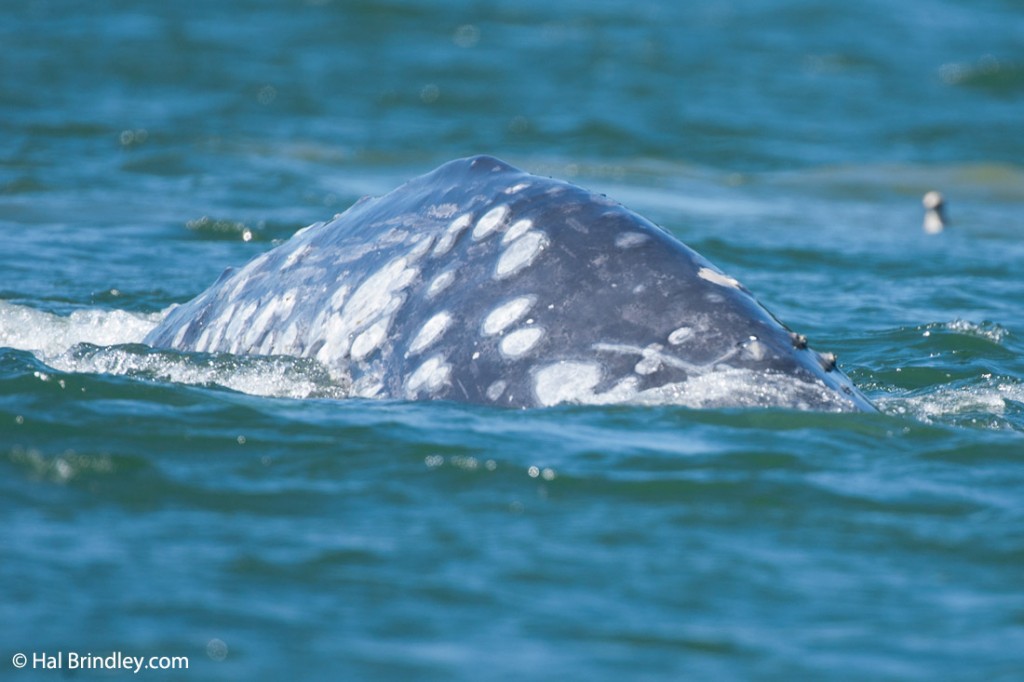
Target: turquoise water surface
x: 242, y: 513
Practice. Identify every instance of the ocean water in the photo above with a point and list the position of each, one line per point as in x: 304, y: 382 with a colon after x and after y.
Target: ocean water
x: 241, y: 513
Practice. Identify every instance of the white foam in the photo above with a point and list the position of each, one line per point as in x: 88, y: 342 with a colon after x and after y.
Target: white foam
x: 277, y: 376
x: 575, y: 382
x: 47, y: 335
x: 981, y: 404
x: 55, y: 340
x: 732, y: 387
x: 993, y: 332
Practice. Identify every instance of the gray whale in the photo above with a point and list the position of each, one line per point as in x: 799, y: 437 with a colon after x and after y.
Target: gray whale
x: 481, y: 283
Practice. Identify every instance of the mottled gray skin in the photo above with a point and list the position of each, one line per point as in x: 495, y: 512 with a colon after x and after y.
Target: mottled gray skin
x: 606, y: 306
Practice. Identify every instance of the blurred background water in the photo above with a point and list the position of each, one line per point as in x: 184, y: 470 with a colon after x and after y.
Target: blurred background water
x: 236, y: 511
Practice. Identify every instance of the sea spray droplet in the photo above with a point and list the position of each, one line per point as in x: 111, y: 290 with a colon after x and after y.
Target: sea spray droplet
x: 216, y: 649
x: 466, y: 35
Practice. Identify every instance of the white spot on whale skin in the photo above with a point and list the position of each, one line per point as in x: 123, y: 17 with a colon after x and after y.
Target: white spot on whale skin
x: 233, y: 333
x: 289, y: 339
x: 440, y: 283
x: 375, y: 294
x: 628, y: 240
x: 574, y: 382
x: 180, y: 336
x: 447, y: 240
x: 514, y: 189
x: 650, y: 360
x: 753, y: 349
x: 490, y: 222
x: 236, y: 290
x: 339, y: 296
x: 520, y: 254
x: 520, y: 341
x: 242, y: 277
x: 430, y: 332
x: 276, y: 309
x: 653, y: 351
x: 335, y: 341
x: 420, y: 247
x: 215, y: 340
x: 431, y: 376
x: 295, y: 256
x: 507, y: 314
x: 266, y: 347
x: 370, y: 340
x: 680, y: 335
x: 201, y: 345
x: 442, y: 211
x: 495, y: 390
x: 516, y: 230
x: 717, y: 278
x: 260, y: 324
x: 566, y: 382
